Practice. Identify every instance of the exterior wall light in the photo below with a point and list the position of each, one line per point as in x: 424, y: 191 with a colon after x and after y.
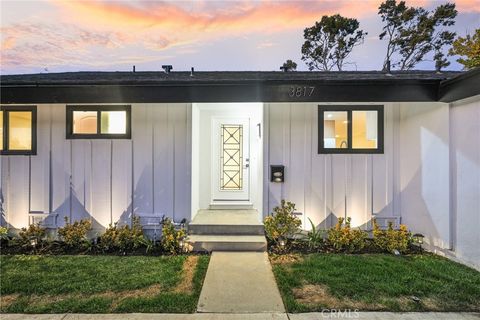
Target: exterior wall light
x: 277, y: 173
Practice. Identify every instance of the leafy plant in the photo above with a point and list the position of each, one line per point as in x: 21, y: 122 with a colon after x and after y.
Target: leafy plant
x: 124, y: 238
x: 412, y: 33
x: 342, y: 238
x: 289, y: 65
x: 283, y: 224
x: 33, y: 235
x: 390, y: 239
x: 314, y: 237
x: 329, y: 42
x: 3, y: 233
x: 74, y: 235
x: 468, y: 48
x: 171, y: 237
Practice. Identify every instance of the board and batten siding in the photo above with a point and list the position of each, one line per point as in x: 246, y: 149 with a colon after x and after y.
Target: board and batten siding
x: 106, y: 180
x: 327, y: 186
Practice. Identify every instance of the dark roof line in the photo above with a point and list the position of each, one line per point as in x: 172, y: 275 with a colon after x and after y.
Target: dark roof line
x: 216, y: 77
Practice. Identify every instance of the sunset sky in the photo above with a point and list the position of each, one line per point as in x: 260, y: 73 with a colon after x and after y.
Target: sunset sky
x: 57, y: 36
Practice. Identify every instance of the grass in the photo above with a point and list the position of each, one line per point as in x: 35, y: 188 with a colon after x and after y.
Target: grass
x: 101, y: 284
x: 376, y: 282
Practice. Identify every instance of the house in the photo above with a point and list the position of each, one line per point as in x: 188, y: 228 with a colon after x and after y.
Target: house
x: 403, y: 147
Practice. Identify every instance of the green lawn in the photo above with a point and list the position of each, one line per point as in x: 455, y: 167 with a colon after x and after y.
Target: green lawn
x: 99, y: 284
x: 376, y: 282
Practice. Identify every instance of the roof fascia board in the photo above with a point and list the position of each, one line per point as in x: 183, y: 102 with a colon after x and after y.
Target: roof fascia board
x: 266, y: 91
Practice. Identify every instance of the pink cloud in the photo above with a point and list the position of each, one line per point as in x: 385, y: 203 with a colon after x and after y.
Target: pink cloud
x: 101, y: 29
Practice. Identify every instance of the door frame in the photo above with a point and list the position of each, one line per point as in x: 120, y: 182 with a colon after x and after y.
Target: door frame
x: 201, y: 175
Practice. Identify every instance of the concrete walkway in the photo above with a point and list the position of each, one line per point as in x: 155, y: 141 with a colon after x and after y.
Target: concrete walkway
x: 240, y: 282
x: 252, y: 316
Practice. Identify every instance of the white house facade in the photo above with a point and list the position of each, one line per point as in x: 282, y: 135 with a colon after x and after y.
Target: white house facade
x: 401, y: 147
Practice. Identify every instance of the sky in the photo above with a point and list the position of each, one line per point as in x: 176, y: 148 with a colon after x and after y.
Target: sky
x: 61, y: 36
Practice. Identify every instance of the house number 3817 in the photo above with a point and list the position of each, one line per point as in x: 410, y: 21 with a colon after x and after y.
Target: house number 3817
x: 298, y: 92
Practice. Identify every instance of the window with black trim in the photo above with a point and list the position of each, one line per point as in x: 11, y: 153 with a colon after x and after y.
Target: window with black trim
x: 99, y: 122
x: 350, y: 129
x: 18, y: 130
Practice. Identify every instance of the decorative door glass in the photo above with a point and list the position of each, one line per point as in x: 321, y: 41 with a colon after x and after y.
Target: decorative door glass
x: 231, y: 157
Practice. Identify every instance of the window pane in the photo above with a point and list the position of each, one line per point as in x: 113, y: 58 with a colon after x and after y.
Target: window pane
x: 364, y: 129
x: 231, y: 157
x: 1, y: 130
x: 114, y: 122
x: 19, y: 130
x: 335, y: 130
x: 85, y: 122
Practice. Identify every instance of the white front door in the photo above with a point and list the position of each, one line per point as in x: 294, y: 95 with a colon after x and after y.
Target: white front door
x: 230, y: 159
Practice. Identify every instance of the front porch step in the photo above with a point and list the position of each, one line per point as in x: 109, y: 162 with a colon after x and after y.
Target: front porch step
x: 228, y: 242
x: 225, y: 229
x: 226, y: 222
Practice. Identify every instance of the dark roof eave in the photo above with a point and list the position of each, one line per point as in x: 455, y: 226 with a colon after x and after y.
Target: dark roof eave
x: 463, y: 86
x: 324, y: 82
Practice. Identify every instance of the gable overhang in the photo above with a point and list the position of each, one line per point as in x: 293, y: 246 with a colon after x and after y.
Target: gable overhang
x: 460, y: 87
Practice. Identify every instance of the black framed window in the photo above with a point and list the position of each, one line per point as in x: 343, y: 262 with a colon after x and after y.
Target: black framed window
x: 350, y: 129
x: 99, y: 122
x: 18, y: 130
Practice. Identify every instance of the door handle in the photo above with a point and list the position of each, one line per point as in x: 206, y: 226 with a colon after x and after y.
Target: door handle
x: 247, y: 165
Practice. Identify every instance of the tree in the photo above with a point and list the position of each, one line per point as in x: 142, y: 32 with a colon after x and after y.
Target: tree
x: 412, y: 33
x: 395, y: 16
x: 468, y: 47
x: 329, y: 42
x: 289, y: 65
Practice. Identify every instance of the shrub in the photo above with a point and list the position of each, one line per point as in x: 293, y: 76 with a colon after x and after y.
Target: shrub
x: 74, y: 235
x: 390, y: 239
x: 314, y: 237
x: 283, y: 224
x: 124, y: 238
x: 3, y: 233
x: 171, y: 237
x: 342, y: 238
x: 33, y: 235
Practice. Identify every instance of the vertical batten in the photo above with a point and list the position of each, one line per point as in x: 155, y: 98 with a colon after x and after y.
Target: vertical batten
x: 121, y: 185
x: 39, y: 164
x: 142, y: 163
x: 61, y: 168
x: 161, y: 176
x: 181, y: 163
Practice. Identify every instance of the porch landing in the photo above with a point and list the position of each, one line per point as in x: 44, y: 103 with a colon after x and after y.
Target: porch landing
x: 227, y: 230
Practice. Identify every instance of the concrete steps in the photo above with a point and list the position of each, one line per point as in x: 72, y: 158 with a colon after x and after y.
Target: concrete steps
x: 227, y: 230
x: 228, y: 243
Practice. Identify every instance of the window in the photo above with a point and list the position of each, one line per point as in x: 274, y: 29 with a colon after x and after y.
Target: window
x: 350, y: 129
x: 18, y: 130
x: 98, y: 122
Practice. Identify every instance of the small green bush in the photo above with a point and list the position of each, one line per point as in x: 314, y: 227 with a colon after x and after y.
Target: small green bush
x: 3, y: 233
x: 390, y: 239
x: 124, y: 238
x: 171, y: 237
x: 33, y: 235
x: 283, y: 224
x: 74, y: 235
x: 342, y: 238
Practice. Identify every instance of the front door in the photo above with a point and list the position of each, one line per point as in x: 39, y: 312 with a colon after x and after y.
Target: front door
x: 230, y: 159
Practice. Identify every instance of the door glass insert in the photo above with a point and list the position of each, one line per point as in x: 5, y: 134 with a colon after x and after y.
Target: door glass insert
x: 231, y: 157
